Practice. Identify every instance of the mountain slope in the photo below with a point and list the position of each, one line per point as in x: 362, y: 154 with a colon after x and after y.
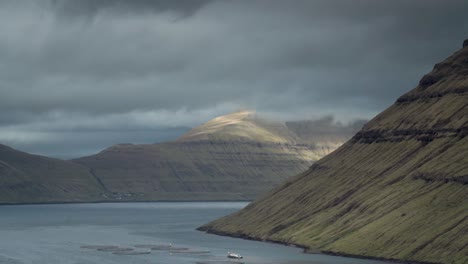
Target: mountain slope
x: 241, y: 126
x: 27, y: 178
x: 397, y: 190
x: 232, y: 157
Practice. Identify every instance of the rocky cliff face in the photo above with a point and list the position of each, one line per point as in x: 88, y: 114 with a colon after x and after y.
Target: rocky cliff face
x: 397, y: 190
x: 232, y: 157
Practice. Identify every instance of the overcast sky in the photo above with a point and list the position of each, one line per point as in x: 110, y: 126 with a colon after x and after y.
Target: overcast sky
x: 79, y: 75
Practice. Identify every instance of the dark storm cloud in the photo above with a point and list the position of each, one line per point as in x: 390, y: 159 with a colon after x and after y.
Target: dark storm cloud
x: 90, y: 8
x: 85, y: 65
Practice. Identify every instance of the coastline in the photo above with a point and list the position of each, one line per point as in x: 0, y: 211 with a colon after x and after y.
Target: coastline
x: 308, y: 250
x: 120, y: 201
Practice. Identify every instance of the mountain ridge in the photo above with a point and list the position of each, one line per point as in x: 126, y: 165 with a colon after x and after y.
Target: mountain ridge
x: 242, y: 125
x: 237, y: 155
x: 262, y: 154
x: 25, y: 177
x: 396, y: 190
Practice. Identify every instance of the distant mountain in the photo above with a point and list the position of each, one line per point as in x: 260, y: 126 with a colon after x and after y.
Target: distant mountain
x: 232, y: 157
x: 32, y: 178
x: 397, y: 190
x: 241, y: 126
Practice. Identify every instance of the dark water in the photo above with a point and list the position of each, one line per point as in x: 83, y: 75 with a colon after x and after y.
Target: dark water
x: 47, y: 234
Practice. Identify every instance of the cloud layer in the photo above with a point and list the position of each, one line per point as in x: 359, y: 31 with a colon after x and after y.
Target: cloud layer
x: 70, y: 66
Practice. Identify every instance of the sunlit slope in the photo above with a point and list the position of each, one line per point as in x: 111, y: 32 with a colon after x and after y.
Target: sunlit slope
x: 397, y: 190
x: 26, y: 178
x: 232, y: 157
x: 242, y: 125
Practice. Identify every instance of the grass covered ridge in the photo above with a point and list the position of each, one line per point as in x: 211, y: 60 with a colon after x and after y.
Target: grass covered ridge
x: 397, y: 190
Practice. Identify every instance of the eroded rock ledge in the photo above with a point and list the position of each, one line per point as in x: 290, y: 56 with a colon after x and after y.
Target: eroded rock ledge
x: 441, y: 178
x: 407, y: 98
x: 426, y: 135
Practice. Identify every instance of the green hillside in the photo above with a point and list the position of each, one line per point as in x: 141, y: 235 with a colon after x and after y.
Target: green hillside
x: 397, y: 190
x: 232, y: 157
x: 26, y: 178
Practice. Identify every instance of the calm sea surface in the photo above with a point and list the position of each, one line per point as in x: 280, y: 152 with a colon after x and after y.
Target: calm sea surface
x: 49, y: 234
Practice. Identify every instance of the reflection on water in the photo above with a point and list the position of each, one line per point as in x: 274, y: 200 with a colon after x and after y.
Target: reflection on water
x: 134, y: 233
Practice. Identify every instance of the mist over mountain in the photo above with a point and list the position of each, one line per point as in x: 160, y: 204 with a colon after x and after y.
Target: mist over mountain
x: 78, y: 76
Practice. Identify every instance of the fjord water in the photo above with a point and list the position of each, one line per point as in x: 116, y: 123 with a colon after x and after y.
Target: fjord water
x: 40, y: 234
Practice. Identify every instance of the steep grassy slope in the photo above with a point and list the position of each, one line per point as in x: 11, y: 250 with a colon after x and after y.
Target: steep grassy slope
x: 397, y: 190
x: 26, y: 178
x: 236, y: 156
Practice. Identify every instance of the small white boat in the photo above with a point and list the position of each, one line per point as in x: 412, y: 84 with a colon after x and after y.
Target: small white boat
x: 234, y: 255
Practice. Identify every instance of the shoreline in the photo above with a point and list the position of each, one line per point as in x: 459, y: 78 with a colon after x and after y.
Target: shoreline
x: 117, y: 202
x: 308, y: 250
